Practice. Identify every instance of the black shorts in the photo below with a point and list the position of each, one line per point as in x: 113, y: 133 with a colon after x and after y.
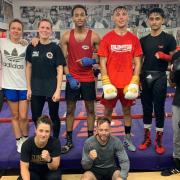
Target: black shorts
x: 86, y: 92
x: 104, y: 173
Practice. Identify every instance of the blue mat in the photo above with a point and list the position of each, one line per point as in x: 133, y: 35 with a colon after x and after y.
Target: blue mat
x: 140, y: 160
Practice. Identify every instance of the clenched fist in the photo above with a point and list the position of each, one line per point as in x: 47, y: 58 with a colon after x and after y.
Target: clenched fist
x: 45, y: 155
x: 93, y: 154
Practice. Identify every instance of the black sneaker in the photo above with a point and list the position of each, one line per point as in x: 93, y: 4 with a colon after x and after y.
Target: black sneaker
x: 66, y: 148
x: 169, y: 172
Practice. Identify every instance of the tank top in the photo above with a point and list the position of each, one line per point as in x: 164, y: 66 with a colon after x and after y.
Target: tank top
x: 76, y: 51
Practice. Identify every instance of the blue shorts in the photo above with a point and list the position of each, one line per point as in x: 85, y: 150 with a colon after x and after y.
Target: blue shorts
x: 15, y: 95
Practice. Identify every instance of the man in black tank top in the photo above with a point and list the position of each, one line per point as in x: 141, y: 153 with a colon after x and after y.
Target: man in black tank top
x: 157, y: 47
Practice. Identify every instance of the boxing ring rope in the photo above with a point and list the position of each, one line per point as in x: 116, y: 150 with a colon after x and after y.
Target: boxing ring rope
x: 135, y: 116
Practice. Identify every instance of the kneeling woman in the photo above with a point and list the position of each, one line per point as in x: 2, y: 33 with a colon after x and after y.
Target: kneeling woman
x: 40, y: 155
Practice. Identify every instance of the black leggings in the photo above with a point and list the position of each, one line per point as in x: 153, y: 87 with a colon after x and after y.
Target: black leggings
x: 37, y: 104
x: 153, y: 96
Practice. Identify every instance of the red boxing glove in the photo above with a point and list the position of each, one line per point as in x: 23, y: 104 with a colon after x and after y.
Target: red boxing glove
x: 163, y: 56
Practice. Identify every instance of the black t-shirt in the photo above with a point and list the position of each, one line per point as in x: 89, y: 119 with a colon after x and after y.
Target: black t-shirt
x: 150, y: 45
x: 44, y: 59
x: 32, y: 154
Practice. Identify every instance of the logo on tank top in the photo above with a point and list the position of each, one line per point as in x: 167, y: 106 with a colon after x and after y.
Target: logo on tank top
x: 85, y: 47
x: 121, y: 48
x: 49, y: 55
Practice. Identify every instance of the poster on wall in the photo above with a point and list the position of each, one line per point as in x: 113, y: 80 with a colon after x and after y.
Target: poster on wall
x: 1, y: 10
x: 60, y: 16
x: 99, y: 16
x: 8, y: 11
x: 28, y: 35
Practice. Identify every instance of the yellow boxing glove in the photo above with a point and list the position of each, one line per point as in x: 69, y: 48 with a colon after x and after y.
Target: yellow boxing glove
x: 131, y: 91
x: 110, y: 91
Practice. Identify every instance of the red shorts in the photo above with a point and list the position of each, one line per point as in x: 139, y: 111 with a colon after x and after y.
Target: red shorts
x: 112, y: 103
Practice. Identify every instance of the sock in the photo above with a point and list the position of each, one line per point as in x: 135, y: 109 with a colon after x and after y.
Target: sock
x: 25, y: 137
x: 147, y: 126
x: 90, y: 133
x: 127, y: 129
x: 159, y: 129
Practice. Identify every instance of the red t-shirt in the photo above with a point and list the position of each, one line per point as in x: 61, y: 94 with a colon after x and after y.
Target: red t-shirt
x: 120, y: 51
x: 76, y: 51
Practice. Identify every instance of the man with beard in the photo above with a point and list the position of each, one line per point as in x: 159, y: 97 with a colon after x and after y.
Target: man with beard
x: 99, y: 153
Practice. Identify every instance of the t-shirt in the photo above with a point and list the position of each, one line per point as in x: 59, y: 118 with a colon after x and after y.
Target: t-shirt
x: 31, y: 154
x: 120, y: 52
x: 105, y: 154
x: 150, y: 45
x: 76, y: 51
x: 13, y: 65
x: 45, y: 58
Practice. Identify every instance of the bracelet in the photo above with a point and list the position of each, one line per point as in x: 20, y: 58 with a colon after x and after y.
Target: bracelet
x: 50, y: 160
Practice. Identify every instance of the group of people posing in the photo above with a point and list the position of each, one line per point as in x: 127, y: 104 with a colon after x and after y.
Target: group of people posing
x: 34, y: 74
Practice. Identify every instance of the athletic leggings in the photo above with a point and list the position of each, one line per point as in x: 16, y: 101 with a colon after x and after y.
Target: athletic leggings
x: 153, y: 97
x: 37, y: 104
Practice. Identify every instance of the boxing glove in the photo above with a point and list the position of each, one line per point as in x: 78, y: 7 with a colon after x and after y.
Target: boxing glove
x: 109, y: 90
x: 131, y: 91
x: 85, y: 61
x: 74, y: 84
x: 163, y: 56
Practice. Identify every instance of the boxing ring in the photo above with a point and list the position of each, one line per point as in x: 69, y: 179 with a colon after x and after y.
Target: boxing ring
x: 139, y: 160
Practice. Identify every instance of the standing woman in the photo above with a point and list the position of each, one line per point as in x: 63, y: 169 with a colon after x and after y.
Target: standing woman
x: 14, y: 80
x: 44, y: 72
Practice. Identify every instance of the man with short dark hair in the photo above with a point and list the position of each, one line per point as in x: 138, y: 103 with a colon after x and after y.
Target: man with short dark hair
x: 79, y: 45
x: 157, y: 49
x: 99, y: 153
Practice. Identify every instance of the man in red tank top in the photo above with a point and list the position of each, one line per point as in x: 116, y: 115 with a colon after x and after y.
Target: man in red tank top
x: 120, y: 52
x: 78, y: 45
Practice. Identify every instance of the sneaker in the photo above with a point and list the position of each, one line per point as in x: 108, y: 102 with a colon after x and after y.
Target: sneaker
x: 128, y: 143
x: 169, y: 172
x: 159, y: 148
x: 147, y: 140
x: 67, y: 147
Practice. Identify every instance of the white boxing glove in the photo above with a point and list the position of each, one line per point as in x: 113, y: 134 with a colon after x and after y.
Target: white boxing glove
x: 132, y: 92
x: 110, y: 91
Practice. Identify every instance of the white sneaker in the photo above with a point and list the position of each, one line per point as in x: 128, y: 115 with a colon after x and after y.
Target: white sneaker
x: 128, y: 143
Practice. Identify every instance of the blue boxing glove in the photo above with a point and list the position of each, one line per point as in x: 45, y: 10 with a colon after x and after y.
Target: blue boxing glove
x: 85, y: 61
x: 74, y: 84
